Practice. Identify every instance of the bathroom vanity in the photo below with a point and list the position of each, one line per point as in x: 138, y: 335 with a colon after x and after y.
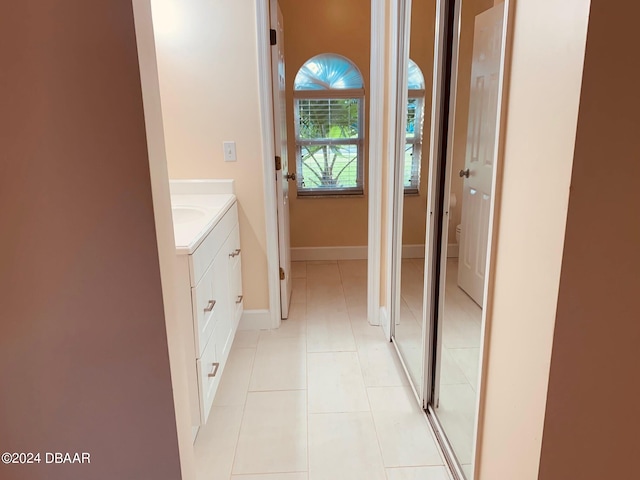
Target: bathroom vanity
x: 209, y: 282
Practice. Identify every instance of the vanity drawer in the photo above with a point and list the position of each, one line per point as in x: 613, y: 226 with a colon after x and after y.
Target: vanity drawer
x: 209, y: 371
x: 200, y: 260
x: 210, y: 302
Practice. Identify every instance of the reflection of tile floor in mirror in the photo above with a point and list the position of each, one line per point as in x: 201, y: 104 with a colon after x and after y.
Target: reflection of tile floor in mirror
x: 322, y: 397
x: 460, y: 352
x: 408, y: 332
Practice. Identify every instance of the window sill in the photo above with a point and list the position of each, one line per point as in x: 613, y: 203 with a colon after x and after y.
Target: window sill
x: 331, y: 195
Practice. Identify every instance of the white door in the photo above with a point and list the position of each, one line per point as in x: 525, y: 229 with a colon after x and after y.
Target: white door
x: 282, y: 173
x: 481, y: 151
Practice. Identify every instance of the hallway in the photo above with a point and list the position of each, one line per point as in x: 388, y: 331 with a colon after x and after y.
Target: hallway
x: 322, y: 398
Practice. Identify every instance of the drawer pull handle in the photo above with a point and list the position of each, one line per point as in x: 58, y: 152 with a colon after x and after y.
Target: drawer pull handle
x: 213, y: 373
x: 210, y: 305
x: 240, y: 297
x: 235, y: 253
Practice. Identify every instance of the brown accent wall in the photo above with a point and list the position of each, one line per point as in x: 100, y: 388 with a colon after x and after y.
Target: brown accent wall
x: 312, y: 28
x: 592, y: 422
x: 83, y: 346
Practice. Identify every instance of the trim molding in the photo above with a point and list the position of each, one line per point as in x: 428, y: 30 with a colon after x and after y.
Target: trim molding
x: 302, y: 254
x: 390, y: 154
x: 268, y: 167
x: 412, y: 251
x: 376, y: 147
x: 255, y: 320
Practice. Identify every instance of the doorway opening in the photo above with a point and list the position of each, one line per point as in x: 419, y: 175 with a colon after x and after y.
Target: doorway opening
x: 320, y: 107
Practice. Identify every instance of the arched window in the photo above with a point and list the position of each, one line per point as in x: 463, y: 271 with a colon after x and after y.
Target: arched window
x: 329, y: 95
x: 415, y: 116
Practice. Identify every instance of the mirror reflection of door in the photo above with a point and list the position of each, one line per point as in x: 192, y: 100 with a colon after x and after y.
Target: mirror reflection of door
x: 481, y: 55
x: 477, y: 173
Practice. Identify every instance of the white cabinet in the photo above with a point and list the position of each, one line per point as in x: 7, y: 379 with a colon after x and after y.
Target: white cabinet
x: 210, y: 306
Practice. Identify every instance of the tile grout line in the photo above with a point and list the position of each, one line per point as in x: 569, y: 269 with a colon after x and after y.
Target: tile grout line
x: 366, y: 390
x: 270, y: 474
x: 244, y: 408
x: 306, y: 350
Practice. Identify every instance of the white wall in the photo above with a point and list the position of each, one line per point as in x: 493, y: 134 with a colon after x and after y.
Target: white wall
x: 208, y: 69
x: 545, y: 78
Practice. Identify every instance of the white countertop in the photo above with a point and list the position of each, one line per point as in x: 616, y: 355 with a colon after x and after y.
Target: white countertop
x: 195, y: 215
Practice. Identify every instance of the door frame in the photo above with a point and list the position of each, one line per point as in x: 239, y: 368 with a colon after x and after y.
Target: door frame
x: 439, y: 176
x: 396, y: 177
x: 376, y: 146
x: 382, y: 48
x: 375, y: 314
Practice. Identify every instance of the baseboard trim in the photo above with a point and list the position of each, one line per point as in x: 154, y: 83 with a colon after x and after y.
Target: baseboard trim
x: 417, y: 251
x: 413, y: 251
x: 301, y: 254
x: 255, y: 320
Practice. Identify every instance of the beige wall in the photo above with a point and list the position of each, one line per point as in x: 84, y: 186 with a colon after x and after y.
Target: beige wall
x: 83, y: 341
x: 207, y: 62
x: 545, y: 78
x: 592, y: 417
x: 341, y: 27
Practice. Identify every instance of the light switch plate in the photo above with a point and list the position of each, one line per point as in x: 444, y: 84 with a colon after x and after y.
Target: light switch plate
x: 229, y: 151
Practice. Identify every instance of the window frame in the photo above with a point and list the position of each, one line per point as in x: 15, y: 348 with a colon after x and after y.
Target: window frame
x: 330, y: 77
x: 417, y: 139
x: 350, y: 94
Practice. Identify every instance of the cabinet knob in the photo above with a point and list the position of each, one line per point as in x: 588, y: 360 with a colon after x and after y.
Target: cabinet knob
x: 210, y: 305
x: 235, y: 253
x: 240, y: 297
x: 215, y: 366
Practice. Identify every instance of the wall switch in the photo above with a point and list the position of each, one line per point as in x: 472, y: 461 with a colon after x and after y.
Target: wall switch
x: 229, y: 151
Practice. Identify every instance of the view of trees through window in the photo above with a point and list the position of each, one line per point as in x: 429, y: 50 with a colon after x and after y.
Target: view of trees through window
x: 329, y: 142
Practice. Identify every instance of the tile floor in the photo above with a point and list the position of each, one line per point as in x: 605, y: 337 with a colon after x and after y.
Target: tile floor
x: 460, y: 352
x: 323, y: 397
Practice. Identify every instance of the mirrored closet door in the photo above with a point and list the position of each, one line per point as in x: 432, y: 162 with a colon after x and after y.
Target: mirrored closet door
x: 412, y: 170
x: 444, y: 207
